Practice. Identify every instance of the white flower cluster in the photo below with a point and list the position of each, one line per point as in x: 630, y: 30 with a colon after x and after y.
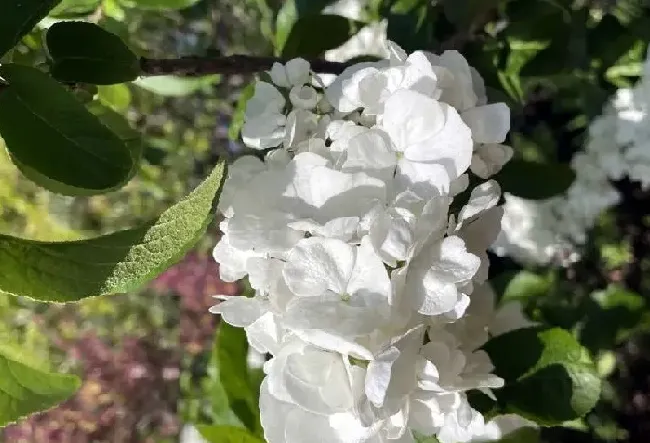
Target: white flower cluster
x: 618, y: 146
x: 369, y: 275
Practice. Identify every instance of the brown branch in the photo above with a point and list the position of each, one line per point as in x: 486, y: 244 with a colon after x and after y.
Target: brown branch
x: 227, y: 65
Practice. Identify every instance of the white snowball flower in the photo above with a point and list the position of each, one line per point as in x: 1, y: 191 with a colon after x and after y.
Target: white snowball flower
x: 434, y: 143
x: 369, y: 278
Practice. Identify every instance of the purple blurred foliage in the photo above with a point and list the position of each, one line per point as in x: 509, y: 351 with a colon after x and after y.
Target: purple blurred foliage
x: 195, y: 280
x: 129, y: 394
x: 130, y: 391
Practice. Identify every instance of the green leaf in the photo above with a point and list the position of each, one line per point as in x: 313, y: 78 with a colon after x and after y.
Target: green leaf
x: 75, y: 8
x: 161, y: 5
x: 535, y: 181
x: 227, y: 434
x: 54, y: 140
x: 220, y: 412
x: 526, y: 285
x: 312, y: 35
x: 25, y: 389
x: 522, y: 435
x: 463, y: 12
x: 172, y: 86
x: 411, y: 25
x: 116, y: 97
x: 240, y: 109
x: 81, y: 52
x: 611, y: 316
x: 18, y: 18
x: 109, y: 264
x: 233, y: 371
x: 549, y: 361
x: 284, y: 21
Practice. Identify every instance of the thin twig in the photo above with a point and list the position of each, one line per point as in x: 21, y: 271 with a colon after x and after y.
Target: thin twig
x: 227, y: 65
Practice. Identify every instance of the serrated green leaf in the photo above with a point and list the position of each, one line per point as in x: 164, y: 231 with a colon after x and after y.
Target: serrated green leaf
x: 109, y: 264
x: 233, y: 372
x: 535, y: 181
x: 81, y: 52
x: 227, y: 434
x: 25, y: 389
x: 160, y: 5
x: 332, y: 31
x: 18, y: 18
x: 536, y: 360
x: 55, y: 140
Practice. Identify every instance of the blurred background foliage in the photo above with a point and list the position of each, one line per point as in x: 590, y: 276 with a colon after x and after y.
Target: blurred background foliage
x: 147, y: 358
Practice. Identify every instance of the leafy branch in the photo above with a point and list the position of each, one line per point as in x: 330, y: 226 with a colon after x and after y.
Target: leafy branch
x: 228, y: 65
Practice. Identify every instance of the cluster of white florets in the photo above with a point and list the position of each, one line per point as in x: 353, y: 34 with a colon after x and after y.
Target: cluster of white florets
x: 618, y: 146
x: 366, y: 246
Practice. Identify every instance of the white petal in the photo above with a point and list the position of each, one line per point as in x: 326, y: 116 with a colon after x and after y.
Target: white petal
x: 455, y: 264
x: 266, y: 100
x: 369, y: 275
x: 488, y: 159
x: 483, y: 197
x: 264, y: 334
x: 489, y: 123
x: 298, y: 71
x: 316, y: 265
x: 355, y: 317
x: 370, y: 150
x: 232, y: 261
x: 240, y: 311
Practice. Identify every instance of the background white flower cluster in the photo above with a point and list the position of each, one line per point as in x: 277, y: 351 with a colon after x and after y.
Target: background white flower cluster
x: 362, y: 225
x: 618, y: 146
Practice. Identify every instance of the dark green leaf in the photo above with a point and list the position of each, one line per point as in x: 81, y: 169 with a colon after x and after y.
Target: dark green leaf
x: 522, y: 435
x: 25, y: 389
x: 535, y: 181
x: 160, y: 5
x: 549, y: 361
x: 18, y: 18
x: 81, y: 52
x: 462, y: 13
x: 227, y: 434
x: 307, y: 7
x: 612, y: 315
x: 49, y: 134
x: 331, y: 31
x: 411, y: 26
x: 233, y: 370
x: 109, y: 264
